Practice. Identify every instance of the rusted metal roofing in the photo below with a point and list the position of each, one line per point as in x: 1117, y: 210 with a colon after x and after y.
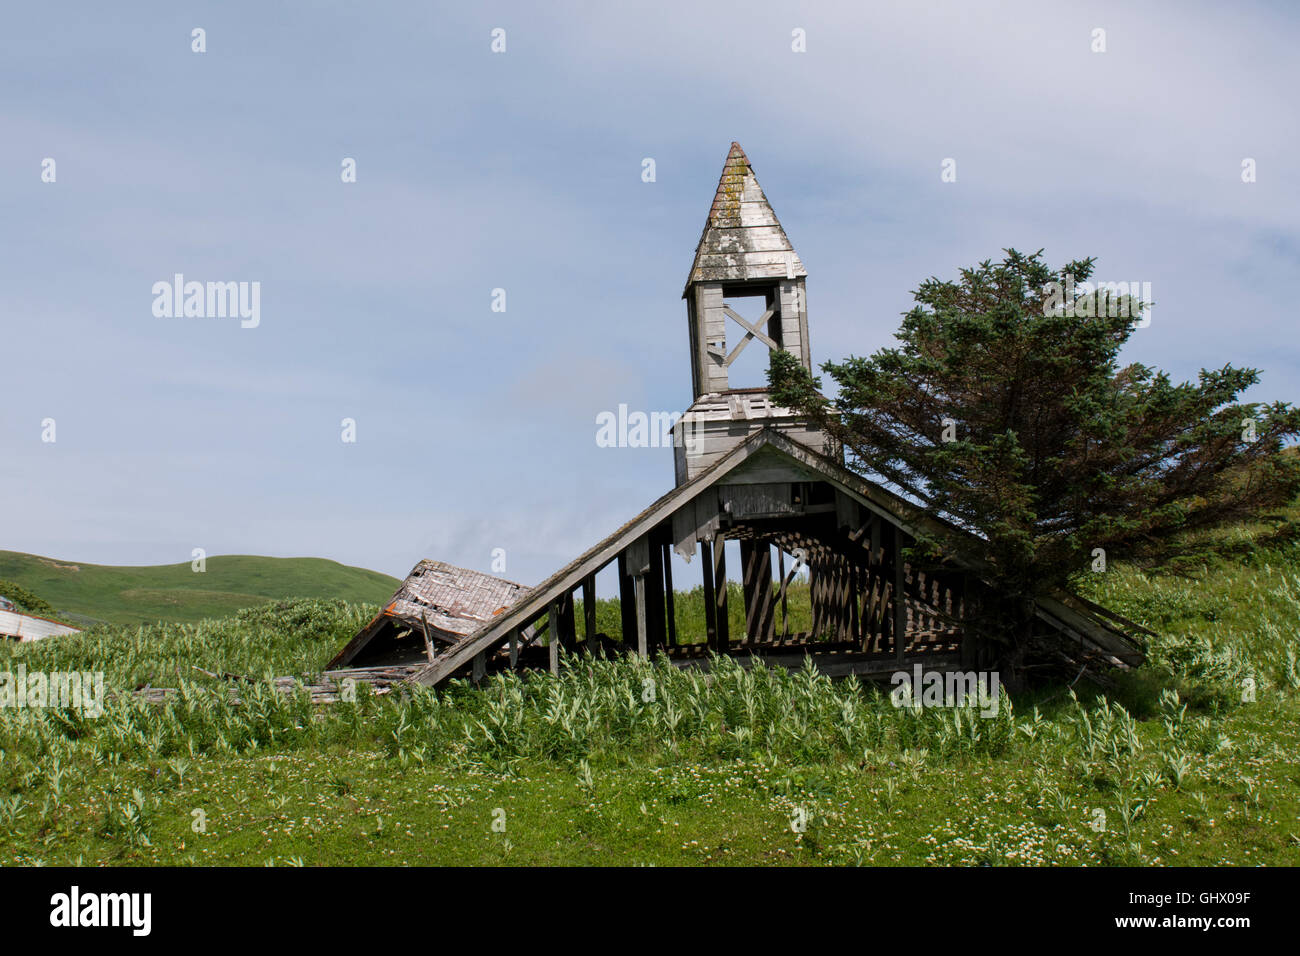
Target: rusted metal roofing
x: 742, y: 238
x: 451, y: 599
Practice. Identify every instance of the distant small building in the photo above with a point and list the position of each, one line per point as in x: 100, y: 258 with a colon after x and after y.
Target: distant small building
x: 28, y: 627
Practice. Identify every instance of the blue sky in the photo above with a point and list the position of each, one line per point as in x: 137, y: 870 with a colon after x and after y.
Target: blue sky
x: 522, y: 170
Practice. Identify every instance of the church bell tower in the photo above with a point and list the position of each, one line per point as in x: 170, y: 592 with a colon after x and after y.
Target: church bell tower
x: 743, y: 256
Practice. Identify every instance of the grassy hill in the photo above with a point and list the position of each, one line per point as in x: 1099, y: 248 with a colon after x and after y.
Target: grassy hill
x: 87, y: 593
x: 1188, y: 761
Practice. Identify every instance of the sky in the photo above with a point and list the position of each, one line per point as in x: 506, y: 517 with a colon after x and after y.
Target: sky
x: 522, y: 170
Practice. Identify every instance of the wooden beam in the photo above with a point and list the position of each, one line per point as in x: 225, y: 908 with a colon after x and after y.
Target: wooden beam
x: 656, y: 618
x: 428, y: 644
x: 568, y: 623
x: 837, y: 604
x: 845, y: 598
x: 855, y: 591
x: 785, y: 582
x: 589, y: 609
x: 637, y: 555
x: 626, y: 603
x: 900, y: 599
x: 817, y: 597
x: 641, y: 624
x: 553, y: 635
x: 710, y: 608
x: 528, y: 635
x: 756, y: 561
x: 754, y: 329
x: 720, y: 594
x: 668, y: 592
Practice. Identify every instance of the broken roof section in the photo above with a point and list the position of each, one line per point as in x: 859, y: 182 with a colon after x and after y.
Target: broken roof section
x: 742, y: 238
x: 455, y: 600
x: 450, y: 602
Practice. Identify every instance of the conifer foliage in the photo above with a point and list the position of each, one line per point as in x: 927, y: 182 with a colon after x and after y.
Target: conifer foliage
x: 1004, y: 410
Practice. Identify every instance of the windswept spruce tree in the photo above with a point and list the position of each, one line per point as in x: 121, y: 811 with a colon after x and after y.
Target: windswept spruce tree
x: 1004, y: 411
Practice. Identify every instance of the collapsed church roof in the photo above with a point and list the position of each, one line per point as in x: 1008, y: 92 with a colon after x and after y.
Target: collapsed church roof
x: 452, y: 599
x: 1093, y: 629
x: 447, y: 601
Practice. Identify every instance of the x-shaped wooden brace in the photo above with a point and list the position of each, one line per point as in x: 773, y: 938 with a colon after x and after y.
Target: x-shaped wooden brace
x: 752, y: 331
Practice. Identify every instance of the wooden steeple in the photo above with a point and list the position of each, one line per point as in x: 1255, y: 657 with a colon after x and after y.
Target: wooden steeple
x: 743, y: 253
x: 756, y: 474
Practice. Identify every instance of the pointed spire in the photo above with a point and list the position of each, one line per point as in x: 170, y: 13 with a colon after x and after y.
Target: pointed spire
x: 742, y: 238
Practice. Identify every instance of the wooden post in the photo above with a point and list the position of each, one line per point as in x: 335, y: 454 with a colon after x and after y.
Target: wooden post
x: 874, y: 603
x: 641, y: 624
x: 872, y: 607
x: 720, y: 594
x: 830, y: 586
x: 568, y: 623
x: 479, y: 670
x: 748, y: 588
x: 879, y: 605
x: 830, y: 589
x: 837, y: 599
x: 855, y: 590
x: 710, y: 609
x: 816, y: 586
x: 785, y: 605
x: 514, y: 648
x: 656, y: 618
x: 553, y: 635
x: 639, y: 558
x: 589, y: 610
x: 626, y: 601
x: 756, y: 559
x: 844, y: 600
x: 900, y: 600
x: 668, y: 592
x: 428, y: 644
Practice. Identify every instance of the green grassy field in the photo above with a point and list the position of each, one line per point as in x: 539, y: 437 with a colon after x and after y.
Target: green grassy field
x: 637, y: 763
x: 86, y: 593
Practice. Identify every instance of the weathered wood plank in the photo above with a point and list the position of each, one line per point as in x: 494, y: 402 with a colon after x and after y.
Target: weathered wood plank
x: 756, y: 562
x: 721, y: 622
x: 553, y: 636
x: 900, y: 598
x: 589, y: 608
x: 668, y: 591
x: 641, y: 623
x: 710, y: 606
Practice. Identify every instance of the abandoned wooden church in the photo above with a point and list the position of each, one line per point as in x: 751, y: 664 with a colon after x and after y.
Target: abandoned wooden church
x: 749, y: 471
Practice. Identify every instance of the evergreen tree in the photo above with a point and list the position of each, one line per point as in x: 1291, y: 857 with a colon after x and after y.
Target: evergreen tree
x: 1004, y: 411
